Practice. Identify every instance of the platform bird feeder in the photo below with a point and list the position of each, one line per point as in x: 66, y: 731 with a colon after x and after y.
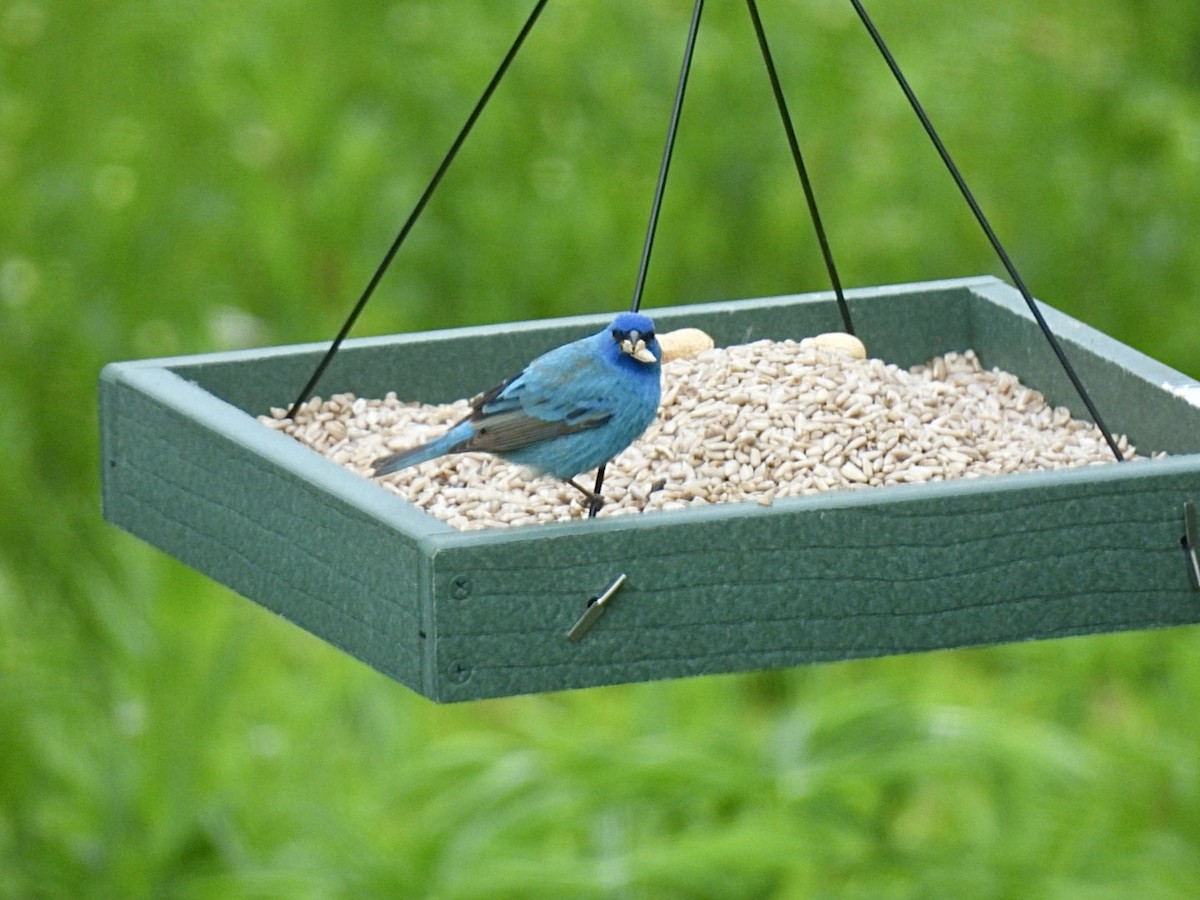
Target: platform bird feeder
x: 725, y: 588
x: 461, y: 615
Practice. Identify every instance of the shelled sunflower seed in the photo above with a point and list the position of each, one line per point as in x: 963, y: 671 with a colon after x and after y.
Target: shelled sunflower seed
x: 755, y: 422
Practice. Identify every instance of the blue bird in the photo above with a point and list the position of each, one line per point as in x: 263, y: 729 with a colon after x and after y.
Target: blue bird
x: 570, y: 411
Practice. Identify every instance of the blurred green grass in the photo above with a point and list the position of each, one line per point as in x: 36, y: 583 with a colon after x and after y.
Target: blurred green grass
x: 185, y: 176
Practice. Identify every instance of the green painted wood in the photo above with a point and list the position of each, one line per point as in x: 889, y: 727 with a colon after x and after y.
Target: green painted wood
x: 1136, y: 395
x: 459, y: 616
x: 906, y: 324
x: 218, y: 491
x: 846, y: 575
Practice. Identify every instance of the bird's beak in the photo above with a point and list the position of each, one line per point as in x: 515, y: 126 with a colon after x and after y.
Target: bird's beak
x: 636, y: 347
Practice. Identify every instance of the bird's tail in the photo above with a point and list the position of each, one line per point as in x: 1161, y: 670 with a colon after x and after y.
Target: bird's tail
x: 440, y: 446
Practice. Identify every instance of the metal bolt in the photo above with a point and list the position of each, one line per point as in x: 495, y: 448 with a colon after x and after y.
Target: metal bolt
x: 460, y: 587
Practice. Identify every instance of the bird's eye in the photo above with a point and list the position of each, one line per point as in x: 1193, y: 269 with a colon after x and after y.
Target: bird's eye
x: 618, y: 334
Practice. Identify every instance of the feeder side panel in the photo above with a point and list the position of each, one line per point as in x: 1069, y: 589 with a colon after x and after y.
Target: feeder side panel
x: 1136, y: 395
x: 904, y: 324
x: 187, y: 473
x: 872, y: 573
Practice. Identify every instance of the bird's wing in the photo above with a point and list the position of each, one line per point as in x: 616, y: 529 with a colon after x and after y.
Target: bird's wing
x: 560, y: 393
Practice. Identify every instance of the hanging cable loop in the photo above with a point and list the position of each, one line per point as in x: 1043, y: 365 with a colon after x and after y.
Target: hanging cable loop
x: 665, y: 167
x: 801, y: 169
x: 1007, y: 262
x: 307, y: 390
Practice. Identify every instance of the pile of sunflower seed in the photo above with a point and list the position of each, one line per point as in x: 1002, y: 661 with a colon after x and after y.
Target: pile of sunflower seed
x: 751, y: 423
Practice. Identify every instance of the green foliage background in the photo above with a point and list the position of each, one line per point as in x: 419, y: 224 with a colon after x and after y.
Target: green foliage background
x: 184, y: 176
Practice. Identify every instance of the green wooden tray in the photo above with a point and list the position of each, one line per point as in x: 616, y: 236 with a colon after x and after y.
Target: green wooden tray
x: 459, y: 616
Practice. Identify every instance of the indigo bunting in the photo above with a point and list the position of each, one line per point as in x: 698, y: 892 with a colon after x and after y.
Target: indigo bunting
x: 571, y: 409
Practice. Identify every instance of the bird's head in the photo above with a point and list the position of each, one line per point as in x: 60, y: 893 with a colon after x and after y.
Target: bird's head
x: 633, y: 334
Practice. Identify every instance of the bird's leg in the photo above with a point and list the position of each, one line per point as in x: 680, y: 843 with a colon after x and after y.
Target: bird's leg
x: 594, y: 499
x: 597, y: 497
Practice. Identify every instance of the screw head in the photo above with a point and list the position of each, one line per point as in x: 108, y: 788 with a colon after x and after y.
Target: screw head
x: 460, y: 587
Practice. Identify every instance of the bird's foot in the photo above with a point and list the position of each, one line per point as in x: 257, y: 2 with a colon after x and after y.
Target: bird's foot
x: 593, y: 501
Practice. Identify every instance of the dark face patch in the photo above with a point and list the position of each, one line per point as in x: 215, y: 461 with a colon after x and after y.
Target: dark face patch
x: 619, y: 335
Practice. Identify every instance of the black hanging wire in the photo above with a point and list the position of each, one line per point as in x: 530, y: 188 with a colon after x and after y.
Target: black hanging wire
x: 801, y: 169
x: 987, y: 228
x: 672, y: 130
x: 656, y: 205
x: 659, y: 187
x: 419, y: 207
